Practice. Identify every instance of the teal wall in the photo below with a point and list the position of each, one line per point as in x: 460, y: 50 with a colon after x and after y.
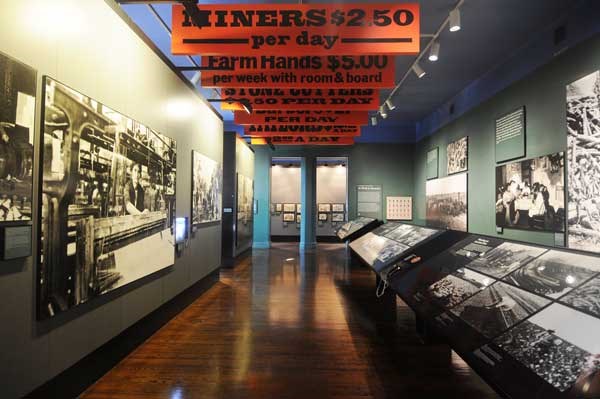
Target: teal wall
x: 543, y: 94
x: 390, y: 165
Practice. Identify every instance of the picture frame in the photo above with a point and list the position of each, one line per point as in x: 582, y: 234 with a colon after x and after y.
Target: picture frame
x: 298, y: 208
x: 289, y: 208
x: 298, y: 218
x: 337, y: 217
x: 278, y: 208
x: 324, y: 208
x: 289, y: 217
x: 323, y: 216
x: 338, y: 207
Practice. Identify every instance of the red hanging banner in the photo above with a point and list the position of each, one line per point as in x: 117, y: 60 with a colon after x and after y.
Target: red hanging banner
x: 311, y: 130
x: 296, y: 29
x: 303, y: 140
x: 331, y: 72
x: 301, y: 118
x: 307, y: 99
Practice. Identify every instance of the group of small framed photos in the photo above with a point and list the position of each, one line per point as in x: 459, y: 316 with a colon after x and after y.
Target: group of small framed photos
x: 336, y: 213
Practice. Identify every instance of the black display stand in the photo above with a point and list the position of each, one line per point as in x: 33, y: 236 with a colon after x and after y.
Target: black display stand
x: 525, y: 317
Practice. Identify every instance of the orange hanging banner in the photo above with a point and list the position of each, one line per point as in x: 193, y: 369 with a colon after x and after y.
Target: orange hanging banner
x: 311, y: 130
x: 296, y: 29
x: 331, y: 72
x: 303, y: 140
x: 301, y: 118
x: 306, y: 99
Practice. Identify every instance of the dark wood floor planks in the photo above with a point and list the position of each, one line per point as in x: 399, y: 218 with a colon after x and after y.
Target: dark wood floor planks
x: 287, y: 325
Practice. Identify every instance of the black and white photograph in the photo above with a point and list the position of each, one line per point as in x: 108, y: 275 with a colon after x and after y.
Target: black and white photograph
x: 324, y: 208
x: 298, y: 218
x: 410, y: 235
x: 298, y: 208
x: 384, y: 229
x: 278, y: 208
x: 457, y: 286
x: 108, y: 200
x: 377, y: 249
x: 207, y: 189
x: 351, y: 227
x: 337, y: 207
x: 322, y: 217
x: 530, y: 194
x: 559, y: 344
x: 289, y: 217
x: 337, y: 217
x: 17, y: 124
x: 505, y: 258
x: 583, y: 129
x: 245, y: 214
x: 446, y: 202
x: 555, y: 273
x: 497, y: 308
x: 586, y: 298
x: 458, y: 155
x: 289, y: 208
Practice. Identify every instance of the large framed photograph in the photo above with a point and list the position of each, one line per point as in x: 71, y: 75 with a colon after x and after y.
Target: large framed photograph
x: 245, y: 211
x: 107, y: 200
x: 17, y: 125
x: 583, y: 130
x: 207, y: 189
x: 446, y: 202
x: 530, y: 194
x: 458, y: 156
x: 337, y: 207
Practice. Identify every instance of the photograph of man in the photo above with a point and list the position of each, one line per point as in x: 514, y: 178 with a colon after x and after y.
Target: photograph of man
x: 134, y: 193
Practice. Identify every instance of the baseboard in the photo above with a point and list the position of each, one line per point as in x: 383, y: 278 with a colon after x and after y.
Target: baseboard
x: 285, y: 238
x: 328, y: 239
x: 76, y: 379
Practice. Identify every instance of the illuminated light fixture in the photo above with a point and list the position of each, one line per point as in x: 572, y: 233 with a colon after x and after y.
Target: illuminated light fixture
x: 454, y: 23
x: 418, y: 70
x: 383, y: 112
x: 390, y: 104
x: 374, y: 121
x: 434, y: 52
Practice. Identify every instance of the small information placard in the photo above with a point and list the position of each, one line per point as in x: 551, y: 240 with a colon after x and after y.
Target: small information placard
x: 16, y: 242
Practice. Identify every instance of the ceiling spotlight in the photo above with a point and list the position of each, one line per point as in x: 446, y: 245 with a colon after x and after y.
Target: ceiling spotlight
x: 373, y: 121
x: 454, y: 24
x: 434, y: 52
x: 418, y: 70
x: 382, y: 111
x: 390, y: 104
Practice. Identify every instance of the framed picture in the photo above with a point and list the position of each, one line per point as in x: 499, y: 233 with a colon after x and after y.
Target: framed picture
x: 530, y: 194
x: 298, y: 218
x: 278, y: 208
x: 289, y: 208
x: 298, y: 208
x: 322, y: 217
x: 337, y: 217
x: 583, y: 110
x: 207, y: 189
x: 17, y: 125
x: 432, y: 163
x: 116, y: 223
x: 289, y: 217
x: 337, y: 207
x: 324, y: 208
x: 458, y: 156
x: 446, y: 204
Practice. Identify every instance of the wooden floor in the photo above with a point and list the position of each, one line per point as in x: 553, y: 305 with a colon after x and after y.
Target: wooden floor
x: 289, y: 325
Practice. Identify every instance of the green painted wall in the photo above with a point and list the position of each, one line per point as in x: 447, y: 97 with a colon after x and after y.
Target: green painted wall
x: 543, y: 94
x: 390, y: 165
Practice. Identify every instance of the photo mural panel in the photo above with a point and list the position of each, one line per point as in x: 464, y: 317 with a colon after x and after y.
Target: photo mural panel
x: 17, y: 120
x: 207, y: 189
x: 107, y: 200
x: 530, y: 194
x: 583, y: 154
x: 245, y: 215
x: 446, y: 202
x: 458, y: 156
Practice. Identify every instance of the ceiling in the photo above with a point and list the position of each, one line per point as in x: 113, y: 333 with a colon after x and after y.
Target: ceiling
x: 492, y: 30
